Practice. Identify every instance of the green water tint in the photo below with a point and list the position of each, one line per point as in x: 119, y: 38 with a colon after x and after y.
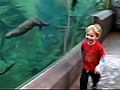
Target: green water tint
x: 25, y: 56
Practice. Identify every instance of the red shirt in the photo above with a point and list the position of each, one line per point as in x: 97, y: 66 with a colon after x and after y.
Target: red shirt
x: 91, y: 55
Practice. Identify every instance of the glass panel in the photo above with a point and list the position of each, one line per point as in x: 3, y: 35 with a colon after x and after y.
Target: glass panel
x: 36, y: 33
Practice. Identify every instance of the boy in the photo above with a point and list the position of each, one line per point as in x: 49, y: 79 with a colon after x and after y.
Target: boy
x: 92, y: 52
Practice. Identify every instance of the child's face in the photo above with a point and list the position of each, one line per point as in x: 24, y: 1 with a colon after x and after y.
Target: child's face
x: 91, y: 37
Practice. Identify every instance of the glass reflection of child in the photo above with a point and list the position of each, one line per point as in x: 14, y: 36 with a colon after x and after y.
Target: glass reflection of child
x: 92, y: 52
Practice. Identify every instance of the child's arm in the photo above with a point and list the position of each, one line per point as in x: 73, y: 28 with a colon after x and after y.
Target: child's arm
x: 99, y: 67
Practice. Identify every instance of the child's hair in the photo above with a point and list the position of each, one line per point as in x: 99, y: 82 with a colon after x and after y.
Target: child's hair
x: 96, y: 28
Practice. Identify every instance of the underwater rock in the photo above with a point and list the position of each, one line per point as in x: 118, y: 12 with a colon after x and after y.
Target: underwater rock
x: 25, y: 27
x: 74, y: 2
x: 7, y: 69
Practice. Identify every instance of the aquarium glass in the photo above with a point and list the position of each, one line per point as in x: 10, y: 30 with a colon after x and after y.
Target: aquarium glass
x: 36, y: 33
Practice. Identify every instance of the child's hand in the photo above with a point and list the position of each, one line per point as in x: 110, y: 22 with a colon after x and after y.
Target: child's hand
x: 97, y: 70
x: 99, y: 67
